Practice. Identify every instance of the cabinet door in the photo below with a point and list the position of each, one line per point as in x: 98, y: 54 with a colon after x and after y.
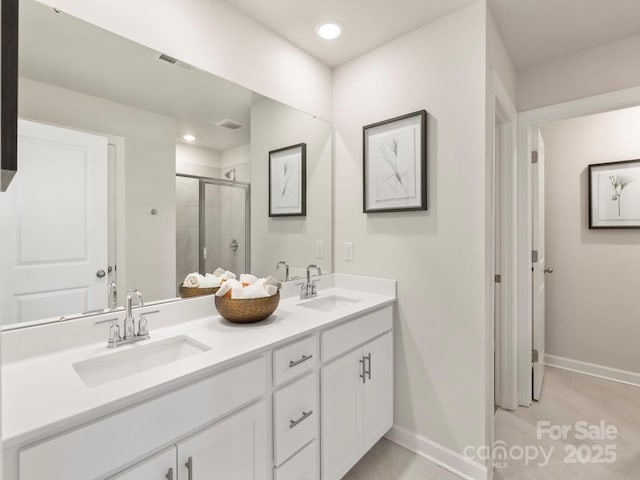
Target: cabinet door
x: 341, y: 415
x: 378, y: 390
x: 159, y: 467
x: 232, y: 449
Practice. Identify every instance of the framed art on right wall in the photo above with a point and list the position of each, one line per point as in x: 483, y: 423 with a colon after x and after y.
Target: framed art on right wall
x: 614, y: 195
x: 395, y: 164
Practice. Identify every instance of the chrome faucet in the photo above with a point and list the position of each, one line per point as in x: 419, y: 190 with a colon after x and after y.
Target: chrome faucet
x: 286, y: 269
x: 129, y: 321
x: 113, y: 294
x: 309, y: 289
x: 130, y: 335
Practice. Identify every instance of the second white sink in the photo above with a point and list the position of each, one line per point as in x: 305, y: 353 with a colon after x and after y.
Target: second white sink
x: 136, y: 359
x: 329, y: 303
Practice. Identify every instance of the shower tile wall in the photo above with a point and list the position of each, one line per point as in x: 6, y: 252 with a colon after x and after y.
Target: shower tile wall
x: 187, y: 227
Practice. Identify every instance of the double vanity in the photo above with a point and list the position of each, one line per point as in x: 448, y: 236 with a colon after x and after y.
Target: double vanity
x: 300, y: 396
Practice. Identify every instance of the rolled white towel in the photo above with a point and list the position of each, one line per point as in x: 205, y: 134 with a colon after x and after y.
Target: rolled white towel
x: 192, y: 280
x: 210, y: 281
x: 271, y: 290
x: 255, y: 291
x: 229, y: 275
x: 219, y: 272
x: 248, y: 278
x: 224, y: 288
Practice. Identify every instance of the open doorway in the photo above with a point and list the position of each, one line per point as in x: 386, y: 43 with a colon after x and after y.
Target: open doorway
x: 576, y: 320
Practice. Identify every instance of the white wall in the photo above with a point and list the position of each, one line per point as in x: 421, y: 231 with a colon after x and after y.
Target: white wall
x: 592, y: 300
x: 201, y: 162
x: 219, y: 39
x: 240, y: 159
x: 498, y: 58
x: 591, y: 72
x: 438, y: 256
x: 292, y: 239
x: 149, y: 176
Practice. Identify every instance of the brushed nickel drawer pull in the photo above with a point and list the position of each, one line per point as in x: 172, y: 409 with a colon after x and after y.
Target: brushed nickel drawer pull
x: 189, y: 466
x: 169, y: 475
x: 362, y: 370
x: 305, y: 415
x: 368, y: 371
x: 298, y: 362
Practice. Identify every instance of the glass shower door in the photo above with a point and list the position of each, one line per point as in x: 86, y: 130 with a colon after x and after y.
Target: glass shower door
x: 224, y: 221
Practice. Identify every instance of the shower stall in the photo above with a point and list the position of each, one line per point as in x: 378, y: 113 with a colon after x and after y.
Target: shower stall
x: 212, y: 225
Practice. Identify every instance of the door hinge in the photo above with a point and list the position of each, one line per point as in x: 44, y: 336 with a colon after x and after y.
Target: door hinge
x: 534, y: 156
x: 534, y: 256
x: 498, y: 278
x: 534, y: 356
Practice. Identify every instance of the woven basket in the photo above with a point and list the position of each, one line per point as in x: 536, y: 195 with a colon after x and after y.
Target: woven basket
x: 247, y: 311
x: 187, y: 292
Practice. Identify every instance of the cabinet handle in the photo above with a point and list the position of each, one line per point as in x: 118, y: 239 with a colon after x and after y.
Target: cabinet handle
x: 298, y: 362
x: 169, y: 475
x: 295, y: 423
x: 368, y: 371
x: 189, y: 466
x: 362, y: 374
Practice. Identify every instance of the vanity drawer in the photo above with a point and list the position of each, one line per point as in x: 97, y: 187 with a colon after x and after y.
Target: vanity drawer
x: 104, y: 446
x: 353, y: 333
x: 302, y: 466
x: 294, y: 359
x: 295, y: 421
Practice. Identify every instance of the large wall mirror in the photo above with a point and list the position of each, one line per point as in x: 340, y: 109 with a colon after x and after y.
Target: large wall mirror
x: 113, y: 193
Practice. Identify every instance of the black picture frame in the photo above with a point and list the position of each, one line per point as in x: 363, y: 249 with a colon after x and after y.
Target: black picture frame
x: 278, y: 181
x: 387, y: 173
x: 616, y: 191
x: 8, y: 92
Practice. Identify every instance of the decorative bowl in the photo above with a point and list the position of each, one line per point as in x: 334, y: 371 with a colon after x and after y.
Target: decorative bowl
x: 247, y: 310
x: 187, y: 292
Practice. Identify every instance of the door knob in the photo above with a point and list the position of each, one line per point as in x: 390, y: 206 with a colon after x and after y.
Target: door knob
x: 548, y: 270
x: 100, y: 273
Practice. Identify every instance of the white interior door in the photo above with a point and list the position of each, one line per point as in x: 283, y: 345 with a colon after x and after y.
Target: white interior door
x: 55, y: 225
x: 539, y: 267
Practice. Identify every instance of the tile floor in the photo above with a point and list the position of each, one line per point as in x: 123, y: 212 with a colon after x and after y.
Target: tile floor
x: 567, y: 398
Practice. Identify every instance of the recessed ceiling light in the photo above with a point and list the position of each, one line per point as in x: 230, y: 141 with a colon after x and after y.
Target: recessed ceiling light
x: 188, y: 138
x: 329, y: 30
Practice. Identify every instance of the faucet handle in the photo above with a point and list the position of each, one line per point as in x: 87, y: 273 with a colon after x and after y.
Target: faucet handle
x: 114, y: 331
x: 314, y: 287
x: 143, y: 329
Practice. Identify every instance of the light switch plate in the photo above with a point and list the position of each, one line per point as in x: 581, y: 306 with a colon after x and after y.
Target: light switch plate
x: 348, y: 251
x: 319, y: 249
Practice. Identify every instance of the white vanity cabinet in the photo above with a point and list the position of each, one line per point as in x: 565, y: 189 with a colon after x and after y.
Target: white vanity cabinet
x: 357, y: 390
x: 234, y: 449
x: 161, y: 466
x: 306, y: 409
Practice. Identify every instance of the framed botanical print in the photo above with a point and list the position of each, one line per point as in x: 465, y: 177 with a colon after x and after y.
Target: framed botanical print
x: 395, y: 164
x: 288, y: 181
x: 614, y: 195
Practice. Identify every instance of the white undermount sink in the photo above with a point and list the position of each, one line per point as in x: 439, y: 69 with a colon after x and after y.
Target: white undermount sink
x: 328, y: 303
x: 136, y: 359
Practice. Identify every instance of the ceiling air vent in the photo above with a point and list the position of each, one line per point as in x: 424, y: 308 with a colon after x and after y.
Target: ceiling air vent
x: 230, y: 124
x: 163, y: 57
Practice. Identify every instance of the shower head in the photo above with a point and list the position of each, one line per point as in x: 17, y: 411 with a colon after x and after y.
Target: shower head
x: 231, y: 174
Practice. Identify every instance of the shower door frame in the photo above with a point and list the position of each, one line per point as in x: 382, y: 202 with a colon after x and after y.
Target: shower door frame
x: 202, y: 183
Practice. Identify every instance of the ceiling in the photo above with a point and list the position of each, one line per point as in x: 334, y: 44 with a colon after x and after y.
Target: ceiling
x: 367, y: 23
x: 535, y: 31
x: 108, y: 66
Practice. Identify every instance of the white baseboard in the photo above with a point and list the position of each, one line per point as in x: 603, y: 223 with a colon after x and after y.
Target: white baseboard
x: 600, y: 371
x: 440, y: 455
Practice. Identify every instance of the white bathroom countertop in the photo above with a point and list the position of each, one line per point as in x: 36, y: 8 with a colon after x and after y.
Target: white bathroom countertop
x: 43, y: 395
